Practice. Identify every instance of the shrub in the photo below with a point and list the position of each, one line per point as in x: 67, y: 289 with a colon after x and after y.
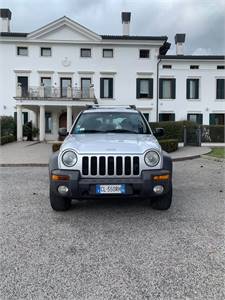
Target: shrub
x: 173, y: 130
x: 8, y: 126
x: 170, y: 145
x: 56, y: 146
x: 7, y: 139
x: 213, y: 133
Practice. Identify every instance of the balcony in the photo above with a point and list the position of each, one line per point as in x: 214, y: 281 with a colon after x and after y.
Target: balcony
x: 55, y: 93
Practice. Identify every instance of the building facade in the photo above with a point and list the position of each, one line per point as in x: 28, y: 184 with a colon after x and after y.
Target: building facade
x: 49, y: 75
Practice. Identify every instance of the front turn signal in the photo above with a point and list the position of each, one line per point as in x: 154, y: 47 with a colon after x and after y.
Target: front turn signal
x: 60, y: 177
x: 161, y: 177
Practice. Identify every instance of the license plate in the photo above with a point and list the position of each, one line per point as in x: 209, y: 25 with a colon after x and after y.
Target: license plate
x: 110, y: 189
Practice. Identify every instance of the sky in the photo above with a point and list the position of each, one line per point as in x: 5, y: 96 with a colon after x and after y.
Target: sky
x: 203, y: 21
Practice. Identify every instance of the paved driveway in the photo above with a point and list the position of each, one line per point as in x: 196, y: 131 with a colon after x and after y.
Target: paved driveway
x: 113, y: 249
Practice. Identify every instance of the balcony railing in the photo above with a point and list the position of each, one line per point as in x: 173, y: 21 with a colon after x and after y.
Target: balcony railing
x: 46, y: 92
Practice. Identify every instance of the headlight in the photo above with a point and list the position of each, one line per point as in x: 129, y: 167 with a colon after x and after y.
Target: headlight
x: 152, y: 158
x: 69, y: 158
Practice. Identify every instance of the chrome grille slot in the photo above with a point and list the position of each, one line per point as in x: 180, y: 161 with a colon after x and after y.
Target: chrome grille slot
x: 110, y: 165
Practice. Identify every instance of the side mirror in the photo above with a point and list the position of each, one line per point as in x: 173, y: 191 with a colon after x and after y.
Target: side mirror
x: 158, y: 132
x: 62, y: 132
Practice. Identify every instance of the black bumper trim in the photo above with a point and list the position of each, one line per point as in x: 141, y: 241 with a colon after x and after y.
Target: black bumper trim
x: 84, y: 188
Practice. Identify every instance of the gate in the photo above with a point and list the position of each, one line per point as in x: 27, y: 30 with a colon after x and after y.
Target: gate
x: 192, y: 136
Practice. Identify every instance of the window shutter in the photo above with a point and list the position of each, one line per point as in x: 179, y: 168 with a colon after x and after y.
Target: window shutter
x: 212, y: 120
x: 199, y: 119
x: 160, y: 117
x: 160, y: 88
x: 101, y: 87
x: 110, y: 87
x: 188, y: 117
x: 197, y: 89
x: 172, y: 117
x: 173, y: 96
x: 220, y: 89
x: 150, y: 86
x: 188, y: 89
x: 138, y: 88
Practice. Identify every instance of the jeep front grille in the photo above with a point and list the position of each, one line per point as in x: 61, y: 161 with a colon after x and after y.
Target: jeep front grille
x: 110, y: 166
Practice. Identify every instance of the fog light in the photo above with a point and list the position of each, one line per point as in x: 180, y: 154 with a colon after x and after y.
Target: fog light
x: 62, y: 189
x: 158, y: 189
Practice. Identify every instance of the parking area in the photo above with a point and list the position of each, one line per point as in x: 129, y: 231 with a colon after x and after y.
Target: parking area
x: 113, y: 249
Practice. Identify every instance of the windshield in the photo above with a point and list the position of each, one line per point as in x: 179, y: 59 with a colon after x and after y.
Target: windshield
x: 114, y: 122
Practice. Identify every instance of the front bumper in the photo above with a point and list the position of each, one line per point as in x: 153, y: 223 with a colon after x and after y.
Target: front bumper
x: 84, y: 188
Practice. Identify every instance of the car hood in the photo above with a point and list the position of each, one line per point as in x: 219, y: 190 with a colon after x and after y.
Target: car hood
x: 110, y: 143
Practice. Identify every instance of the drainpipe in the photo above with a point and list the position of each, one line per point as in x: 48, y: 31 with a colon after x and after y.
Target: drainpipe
x: 157, y: 92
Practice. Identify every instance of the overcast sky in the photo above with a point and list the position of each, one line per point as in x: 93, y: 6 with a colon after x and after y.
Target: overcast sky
x: 203, y: 21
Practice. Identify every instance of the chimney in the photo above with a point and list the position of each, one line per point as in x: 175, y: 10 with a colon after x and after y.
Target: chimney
x: 5, y: 15
x: 179, y: 41
x: 126, y: 22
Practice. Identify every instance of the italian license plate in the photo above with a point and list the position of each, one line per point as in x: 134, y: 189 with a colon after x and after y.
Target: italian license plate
x: 110, y: 189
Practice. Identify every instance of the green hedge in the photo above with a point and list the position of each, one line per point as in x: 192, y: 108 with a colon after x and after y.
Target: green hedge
x: 213, y: 133
x: 170, y: 145
x: 8, y: 126
x: 173, y: 130
x: 7, y: 139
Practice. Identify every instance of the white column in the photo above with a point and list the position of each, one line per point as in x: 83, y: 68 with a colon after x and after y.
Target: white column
x: 42, y: 123
x: 69, y: 117
x: 19, y: 123
x: 35, y: 123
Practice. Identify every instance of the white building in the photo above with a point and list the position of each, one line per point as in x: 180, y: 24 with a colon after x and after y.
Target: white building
x: 50, y: 74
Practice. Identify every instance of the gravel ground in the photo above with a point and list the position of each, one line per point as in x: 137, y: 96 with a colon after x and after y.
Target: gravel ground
x: 113, y: 249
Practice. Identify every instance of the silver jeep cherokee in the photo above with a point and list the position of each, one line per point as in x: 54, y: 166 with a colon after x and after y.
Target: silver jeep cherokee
x: 110, y: 152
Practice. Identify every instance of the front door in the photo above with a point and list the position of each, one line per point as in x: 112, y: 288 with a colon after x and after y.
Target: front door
x: 47, y: 82
x: 63, y: 120
x: 64, y: 83
x: 85, y: 87
x: 23, y: 80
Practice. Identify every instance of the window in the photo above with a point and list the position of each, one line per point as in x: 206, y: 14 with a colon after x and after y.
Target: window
x: 220, y: 94
x: 164, y: 117
x: 23, y: 51
x: 144, y: 88
x: 107, y: 53
x: 194, y: 67
x: 220, y: 67
x: 47, y: 83
x: 196, y: 118
x: 167, y: 67
x: 192, y: 89
x: 46, y: 51
x: 25, y: 117
x: 23, y: 81
x: 144, y: 53
x: 106, y: 87
x: 167, y: 88
x: 216, y: 119
x: 110, y: 121
x: 64, y: 84
x: 85, y: 87
x: 48, y: 122
x: 85, y: 52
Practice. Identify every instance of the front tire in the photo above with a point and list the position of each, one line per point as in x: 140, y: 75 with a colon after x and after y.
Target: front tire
x: 162, y: 202
x: 59, y: 203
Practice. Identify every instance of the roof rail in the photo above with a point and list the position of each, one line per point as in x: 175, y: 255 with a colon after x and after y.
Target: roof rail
x: 93, y: 106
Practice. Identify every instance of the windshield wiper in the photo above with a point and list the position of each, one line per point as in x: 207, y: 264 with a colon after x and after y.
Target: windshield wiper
x: 89, y: 131
x: 120, y: 131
